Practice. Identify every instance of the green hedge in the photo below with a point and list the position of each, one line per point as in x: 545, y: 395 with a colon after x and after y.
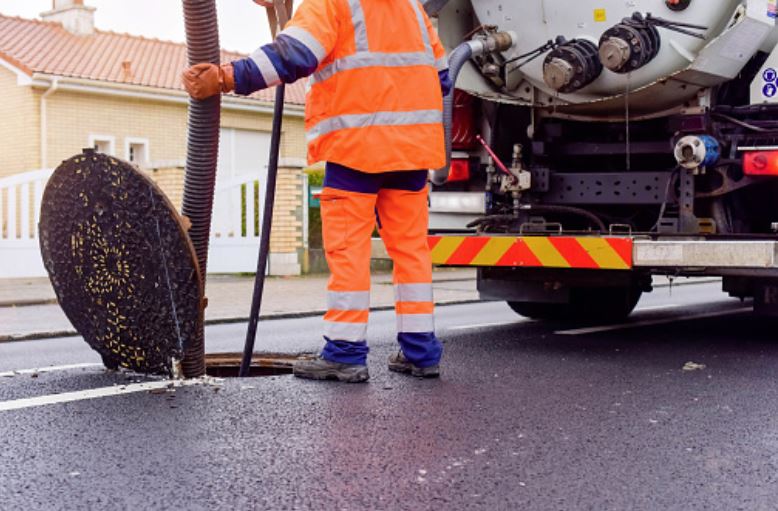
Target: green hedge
x: 243, y: 208
x: 315, y: 178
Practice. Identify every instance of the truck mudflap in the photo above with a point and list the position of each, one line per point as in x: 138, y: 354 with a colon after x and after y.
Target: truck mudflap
x: 584, y: 252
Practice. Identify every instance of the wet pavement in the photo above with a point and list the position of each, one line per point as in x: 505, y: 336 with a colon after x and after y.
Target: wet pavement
x: 527, y: 415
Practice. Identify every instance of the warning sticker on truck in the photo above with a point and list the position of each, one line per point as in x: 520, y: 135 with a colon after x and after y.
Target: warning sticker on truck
x: 600, y: 15
x: 585, y: 252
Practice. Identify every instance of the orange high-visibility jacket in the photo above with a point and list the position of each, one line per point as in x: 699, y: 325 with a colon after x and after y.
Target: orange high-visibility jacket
x: 374, y: 102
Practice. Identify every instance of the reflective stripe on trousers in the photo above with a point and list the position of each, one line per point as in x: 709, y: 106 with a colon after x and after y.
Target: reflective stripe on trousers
x: 346, y: 317
x: 348, y: 219
x: 414, y: 307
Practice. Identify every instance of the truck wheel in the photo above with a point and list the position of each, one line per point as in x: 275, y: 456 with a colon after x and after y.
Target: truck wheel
x: 599, y: 304
x: 540, y: 310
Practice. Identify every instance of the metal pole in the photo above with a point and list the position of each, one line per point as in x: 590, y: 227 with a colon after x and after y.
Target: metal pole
x: 267, y: 215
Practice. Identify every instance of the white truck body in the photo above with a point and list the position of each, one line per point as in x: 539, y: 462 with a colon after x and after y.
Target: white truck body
x: 681, y: 132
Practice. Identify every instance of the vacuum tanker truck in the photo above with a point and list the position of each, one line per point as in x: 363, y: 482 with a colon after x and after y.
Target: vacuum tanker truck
x: 595, y: 144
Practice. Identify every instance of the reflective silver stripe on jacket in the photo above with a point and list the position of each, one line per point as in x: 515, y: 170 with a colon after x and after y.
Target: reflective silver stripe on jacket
x: 374, y: 119
x: 365, y: 58
x: 360, y: 28
x: 336, y: 331
x: 415, y: 323
x: 420, y: 18
x: 307, y: 39
x: 348, y: 300
x: 441, y: 63
x: 413, y: 292
x: 268, y: 70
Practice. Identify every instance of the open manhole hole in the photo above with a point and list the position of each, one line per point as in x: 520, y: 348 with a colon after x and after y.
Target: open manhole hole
x: 227, y: 365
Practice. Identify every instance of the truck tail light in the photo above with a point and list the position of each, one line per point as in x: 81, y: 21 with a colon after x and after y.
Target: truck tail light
x: 760, y: 163
x: 459, y: 171
x: 463, y: 127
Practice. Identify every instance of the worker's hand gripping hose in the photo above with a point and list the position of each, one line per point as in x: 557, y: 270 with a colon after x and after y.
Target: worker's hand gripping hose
x: 501, y: 41
x: 202, y: 150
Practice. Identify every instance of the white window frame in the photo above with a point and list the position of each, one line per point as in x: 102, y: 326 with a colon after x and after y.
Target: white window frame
x: 93, y: 137
x: 137, y: 140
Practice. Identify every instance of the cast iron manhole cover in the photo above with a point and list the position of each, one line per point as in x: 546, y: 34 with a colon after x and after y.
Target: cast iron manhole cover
x: 121, y: 263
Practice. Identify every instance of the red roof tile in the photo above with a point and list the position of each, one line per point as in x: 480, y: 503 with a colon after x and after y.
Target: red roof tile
x: 46, y: 47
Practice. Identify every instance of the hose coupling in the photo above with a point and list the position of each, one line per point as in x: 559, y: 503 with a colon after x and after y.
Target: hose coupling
x: 498, y: 41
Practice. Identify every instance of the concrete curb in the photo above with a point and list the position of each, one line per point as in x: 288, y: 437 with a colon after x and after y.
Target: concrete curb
x: 28, y: 303
x: 222, y: 321
x: 53, y: 301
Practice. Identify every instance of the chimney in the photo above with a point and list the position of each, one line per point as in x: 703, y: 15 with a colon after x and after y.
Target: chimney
x: 74, y: 16
x: 127, y: 75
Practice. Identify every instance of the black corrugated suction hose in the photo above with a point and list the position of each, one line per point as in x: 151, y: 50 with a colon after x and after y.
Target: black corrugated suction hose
x: 202, y: 151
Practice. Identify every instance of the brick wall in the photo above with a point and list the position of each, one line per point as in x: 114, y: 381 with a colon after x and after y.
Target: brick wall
x: 286, y: 235
x: 171, y: 180
x: 74, y: 116
x: 20, y: 126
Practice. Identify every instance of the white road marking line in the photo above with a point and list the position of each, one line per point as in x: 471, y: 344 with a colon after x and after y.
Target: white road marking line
x: 484, y: 325
x: 116, y: 390
x: 48, y: 369
x: 658, y: 307
x: 651, y: 322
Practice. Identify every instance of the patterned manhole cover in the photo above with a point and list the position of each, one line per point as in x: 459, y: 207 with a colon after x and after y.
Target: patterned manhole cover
x: 121, y: 263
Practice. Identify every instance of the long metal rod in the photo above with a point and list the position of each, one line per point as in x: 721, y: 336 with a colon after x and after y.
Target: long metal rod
x: 278, y: 15
x: 267, y: 221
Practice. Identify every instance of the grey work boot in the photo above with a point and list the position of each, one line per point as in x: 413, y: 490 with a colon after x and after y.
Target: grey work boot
x: 322, y: 369
x: 399, y: 364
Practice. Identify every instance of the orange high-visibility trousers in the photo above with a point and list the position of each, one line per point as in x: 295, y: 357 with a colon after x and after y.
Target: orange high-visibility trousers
x: 351, y: 202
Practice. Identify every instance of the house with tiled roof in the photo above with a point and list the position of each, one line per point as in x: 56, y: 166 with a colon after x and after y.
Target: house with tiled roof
x: 67, y: 85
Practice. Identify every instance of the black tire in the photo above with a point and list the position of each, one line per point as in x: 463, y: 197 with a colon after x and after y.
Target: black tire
x: 599, y: 304
x: 540, y: 310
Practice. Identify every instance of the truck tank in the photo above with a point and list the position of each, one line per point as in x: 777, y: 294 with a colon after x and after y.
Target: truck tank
x: 655, y: 54
x: 647, y: 122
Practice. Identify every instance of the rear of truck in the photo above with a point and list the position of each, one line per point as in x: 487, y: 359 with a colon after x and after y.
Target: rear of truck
x: 606, y: 144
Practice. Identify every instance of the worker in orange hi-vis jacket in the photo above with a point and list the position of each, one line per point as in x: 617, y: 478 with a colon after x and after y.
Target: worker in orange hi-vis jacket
x: 374, y: 114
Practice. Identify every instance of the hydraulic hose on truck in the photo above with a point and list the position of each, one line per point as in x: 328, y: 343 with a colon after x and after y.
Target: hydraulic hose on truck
x: 202, y: 152
x: 278, y: 15
x: 500, y: 41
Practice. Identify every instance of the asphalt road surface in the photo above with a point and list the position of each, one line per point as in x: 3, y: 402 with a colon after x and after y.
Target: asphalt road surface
x: 527, y: 415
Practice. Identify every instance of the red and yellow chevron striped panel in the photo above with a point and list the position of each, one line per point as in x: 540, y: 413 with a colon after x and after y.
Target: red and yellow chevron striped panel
x: 533, y: 251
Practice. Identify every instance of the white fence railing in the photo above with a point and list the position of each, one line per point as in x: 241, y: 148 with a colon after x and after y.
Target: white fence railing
x: 234, y: 244
x: 20, y: 206
x: 235, y: 227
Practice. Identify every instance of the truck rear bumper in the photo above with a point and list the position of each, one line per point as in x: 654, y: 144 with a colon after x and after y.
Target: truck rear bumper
x: 604, y: 253
x: 585, y: 252
x: 705, y: 254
